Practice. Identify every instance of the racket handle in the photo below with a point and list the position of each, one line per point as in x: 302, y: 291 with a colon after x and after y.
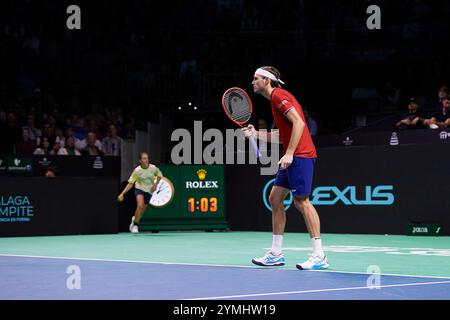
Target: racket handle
x: 255, y: 147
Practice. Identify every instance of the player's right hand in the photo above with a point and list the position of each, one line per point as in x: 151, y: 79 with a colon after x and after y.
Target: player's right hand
x: 249, y: 131
x: 120, y: 198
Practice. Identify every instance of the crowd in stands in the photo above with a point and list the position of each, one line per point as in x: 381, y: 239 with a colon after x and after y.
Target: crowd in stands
x: 436, y: 117
x: 119, y: 61
x: 63, y: 134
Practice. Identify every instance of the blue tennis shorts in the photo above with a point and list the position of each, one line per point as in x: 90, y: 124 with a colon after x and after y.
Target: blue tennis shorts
x: 147, y: 196
x: 297, y: 177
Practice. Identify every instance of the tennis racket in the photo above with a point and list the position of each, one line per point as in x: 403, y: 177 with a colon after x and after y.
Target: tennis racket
x: 238, y: 107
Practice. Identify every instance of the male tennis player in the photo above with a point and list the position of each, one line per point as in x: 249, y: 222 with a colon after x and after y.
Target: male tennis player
x: 296, y: 168
x: 145, y: 179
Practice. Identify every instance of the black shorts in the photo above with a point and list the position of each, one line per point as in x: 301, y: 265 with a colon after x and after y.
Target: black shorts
x: 147, y: 196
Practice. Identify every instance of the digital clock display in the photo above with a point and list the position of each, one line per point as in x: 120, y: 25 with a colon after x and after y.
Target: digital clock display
x: 197, y: 196
x: 203, y: 204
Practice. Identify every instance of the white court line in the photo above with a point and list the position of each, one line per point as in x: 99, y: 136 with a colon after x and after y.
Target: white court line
x: 131, y: 261
x: 319, y: 290
x: 216, y: 265
x: 382, y: 274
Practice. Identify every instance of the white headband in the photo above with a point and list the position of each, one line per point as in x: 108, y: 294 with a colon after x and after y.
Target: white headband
x: 267, y: 74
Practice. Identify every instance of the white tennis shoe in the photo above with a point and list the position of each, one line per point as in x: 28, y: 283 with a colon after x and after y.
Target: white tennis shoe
x: 314, y: 263
x: 131, y: 224
x: 135, y: 229
x: 270, y: 260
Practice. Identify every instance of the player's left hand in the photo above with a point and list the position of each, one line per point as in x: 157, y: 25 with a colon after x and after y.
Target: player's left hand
x: 286, y: 161
x: 153, y: 189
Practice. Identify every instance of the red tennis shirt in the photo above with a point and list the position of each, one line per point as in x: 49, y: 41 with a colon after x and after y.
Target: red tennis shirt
x: 282, y: 101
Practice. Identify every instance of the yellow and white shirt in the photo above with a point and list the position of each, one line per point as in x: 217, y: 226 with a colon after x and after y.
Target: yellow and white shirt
x: 144, y: 179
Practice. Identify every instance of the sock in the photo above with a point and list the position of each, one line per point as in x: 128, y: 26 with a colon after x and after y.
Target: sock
x: 317, y: 247
x: 277, y: 241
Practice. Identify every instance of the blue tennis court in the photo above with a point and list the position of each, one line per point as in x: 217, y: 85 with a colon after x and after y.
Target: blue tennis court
x: 49, y: 273
x: 46, y: 278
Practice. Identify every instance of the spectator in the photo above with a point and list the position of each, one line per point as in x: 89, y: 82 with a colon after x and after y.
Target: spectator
x: 440, y: 119
x: 59, y: 137
x: 91, y: 125
x: 55, y: 149
x: 48, y: 132
x: 81, y: 144
x: 114, y: 117
x: 411, y: 119
x: 50, y: 119
x: 442, y: 94
x: 9, y: 134
x: 34, y: 133
x: 69, y: 132
x: 77, y: 121
x: 67, y: 122
x: 44, y: 147
x: 112, y: 144
x: 69, y: 148
x: 56, y: 131
x: 91, y: 148
x: 77, y: 124
x: 57, y: 116
x: 25, y: 146
x: 311, y: 123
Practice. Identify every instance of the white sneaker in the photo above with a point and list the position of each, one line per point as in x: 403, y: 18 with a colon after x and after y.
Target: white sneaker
x: 132, y: 224
x: 135, y: 229
x: 314, y: 263
x: 269, y: 259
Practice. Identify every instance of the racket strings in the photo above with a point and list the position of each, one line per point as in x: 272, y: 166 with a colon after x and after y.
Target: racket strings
x: 242, y: 114
x: 237, y: 107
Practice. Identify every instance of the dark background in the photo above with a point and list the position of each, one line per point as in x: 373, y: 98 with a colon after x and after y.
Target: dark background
x: 141, y: 58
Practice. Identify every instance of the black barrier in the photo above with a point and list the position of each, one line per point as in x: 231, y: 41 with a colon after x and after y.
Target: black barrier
x: 400, y: 137
x: 375, y: 190
x: 74, y: 166
x: 58, y: 206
